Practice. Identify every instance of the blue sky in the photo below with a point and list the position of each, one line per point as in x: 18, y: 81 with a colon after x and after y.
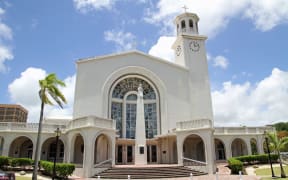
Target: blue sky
x: 246, y: 48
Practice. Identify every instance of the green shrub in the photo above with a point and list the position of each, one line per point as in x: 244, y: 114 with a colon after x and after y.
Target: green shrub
x: 254, y: 159
x: 23, y: 162
x: 4, y: 161
x: 63, y: 170
x: 235, y: 165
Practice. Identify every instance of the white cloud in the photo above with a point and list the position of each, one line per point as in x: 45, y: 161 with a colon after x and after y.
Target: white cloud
x: 5, y: 52
x: 5, y: 32
x: 85, y: 6
x: 263, y: 103
x: 265, y: 14
x: 123, y: 40
x: 220, y: 61
x: 163, y: 49
x: 20, y: 94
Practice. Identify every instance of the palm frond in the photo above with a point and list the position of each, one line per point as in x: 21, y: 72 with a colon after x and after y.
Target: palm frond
x: 49, y: 86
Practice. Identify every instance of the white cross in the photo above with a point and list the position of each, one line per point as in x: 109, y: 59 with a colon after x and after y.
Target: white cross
x: 185, y: 8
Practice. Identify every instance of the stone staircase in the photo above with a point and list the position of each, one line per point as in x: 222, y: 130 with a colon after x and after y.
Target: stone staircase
x: 148, y: 172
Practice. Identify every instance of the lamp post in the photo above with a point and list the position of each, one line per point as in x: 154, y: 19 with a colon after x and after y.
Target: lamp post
x: 269, y: 157
x: 57, y: 134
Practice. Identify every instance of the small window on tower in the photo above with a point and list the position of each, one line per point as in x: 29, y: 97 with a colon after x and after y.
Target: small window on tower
x: 183, y: 24
x: 190, y: 23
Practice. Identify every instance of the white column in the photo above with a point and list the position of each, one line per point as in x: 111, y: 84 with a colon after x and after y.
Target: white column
x: 180, y: 149
x: 140, y: 144
x: 248, y: 143
x: 88, y: 159
x: 6, y: 146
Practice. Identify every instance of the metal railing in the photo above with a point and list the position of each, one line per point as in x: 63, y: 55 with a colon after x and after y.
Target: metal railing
x: 195, y: 164
x: 105, y: 163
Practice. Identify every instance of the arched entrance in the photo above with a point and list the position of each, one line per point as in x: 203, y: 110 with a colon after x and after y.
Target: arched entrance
x: 21, y: 147
x: 253, y: 144
x: 102, y: 149
x: 193, y: 148
x: 78, y: 149
x: 219, y: 150
x: 238, y: 147
x: 49, y: 150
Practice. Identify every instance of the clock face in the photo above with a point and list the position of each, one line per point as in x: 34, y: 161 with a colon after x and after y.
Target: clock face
x: 194, y: 45
x: 178, y: 50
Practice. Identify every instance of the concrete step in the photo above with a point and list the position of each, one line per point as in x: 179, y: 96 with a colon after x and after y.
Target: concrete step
x: 148, y: 172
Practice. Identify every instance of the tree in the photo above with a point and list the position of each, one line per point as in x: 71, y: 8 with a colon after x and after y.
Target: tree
x: 276, y: 144
x: 48, y: 89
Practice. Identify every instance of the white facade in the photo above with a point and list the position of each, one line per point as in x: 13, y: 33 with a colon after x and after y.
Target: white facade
x: 171, y: 122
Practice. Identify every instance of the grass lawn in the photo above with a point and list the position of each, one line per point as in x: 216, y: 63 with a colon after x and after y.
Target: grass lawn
x: 22, y: 178
x: 267, y: 172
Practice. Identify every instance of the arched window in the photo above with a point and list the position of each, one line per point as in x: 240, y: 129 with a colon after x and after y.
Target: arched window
x: 190, y: 23
x: 183, y: 26
x: 124, y: 107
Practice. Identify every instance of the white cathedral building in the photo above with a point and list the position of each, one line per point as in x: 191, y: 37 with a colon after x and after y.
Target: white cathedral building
x: 132, y: 108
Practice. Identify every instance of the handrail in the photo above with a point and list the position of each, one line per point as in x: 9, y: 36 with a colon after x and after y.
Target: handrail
x: 102, y: 162
x: 195, y: 164
x: 196, y: 161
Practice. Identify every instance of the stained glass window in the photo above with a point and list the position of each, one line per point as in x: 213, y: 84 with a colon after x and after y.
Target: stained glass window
x: 129, y: 116
x: 130, y: 120
x: 116, y: 114
x: 132, y: 84
x: 150, y: 120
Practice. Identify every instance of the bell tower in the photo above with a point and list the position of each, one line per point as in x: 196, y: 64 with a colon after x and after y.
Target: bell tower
x: 190, y: 52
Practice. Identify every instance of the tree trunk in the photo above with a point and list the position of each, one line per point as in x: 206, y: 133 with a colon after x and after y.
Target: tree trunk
x: 281, y: 167
x: 36, y: 154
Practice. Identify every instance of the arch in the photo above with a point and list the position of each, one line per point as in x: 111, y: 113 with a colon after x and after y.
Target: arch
x: 144, y: 73
x: 49, y: 150
x: 124, y: 110
x: 219, y: 149
x: 190, y: 23
x: 239, y: 147
x: 78, y: 149
x: 21, y: 147
x: 253, y: 144
x: 102, y: 148
x: 194, y: 148
x: 183, y: 25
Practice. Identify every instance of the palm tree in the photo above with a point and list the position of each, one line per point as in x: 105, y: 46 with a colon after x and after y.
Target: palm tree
x: 276, y: 144
x: 48, y: 89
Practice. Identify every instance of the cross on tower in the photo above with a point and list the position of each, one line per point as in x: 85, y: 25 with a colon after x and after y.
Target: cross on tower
x: 185, y: 8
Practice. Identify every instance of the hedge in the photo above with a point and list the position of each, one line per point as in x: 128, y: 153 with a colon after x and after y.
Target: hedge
x: 4, y: 161
x: 236, y: 163
x: 253, y: 159
x: 21, y: 162
x: 63, y: 170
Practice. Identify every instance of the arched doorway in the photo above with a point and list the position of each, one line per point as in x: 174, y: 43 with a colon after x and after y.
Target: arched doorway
x: 238, y: 147
x: 193, y: 148
x: 219, y: 150
x: 253, y: 144
x: 102, y: 149
x: 21, y: 147
x: 49, y: 150
x: 78, y: 149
